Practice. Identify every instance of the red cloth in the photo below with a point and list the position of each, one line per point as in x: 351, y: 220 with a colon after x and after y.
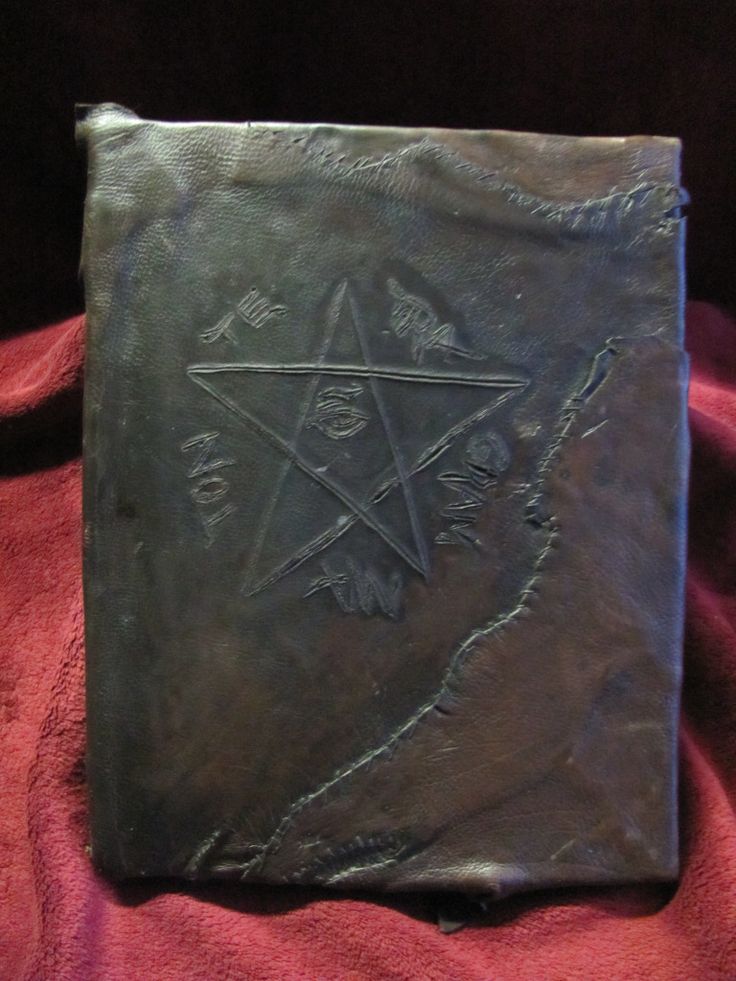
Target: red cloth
x: 59, y: 921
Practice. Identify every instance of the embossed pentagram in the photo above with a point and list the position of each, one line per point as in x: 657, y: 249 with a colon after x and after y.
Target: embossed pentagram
x: 355, y: 402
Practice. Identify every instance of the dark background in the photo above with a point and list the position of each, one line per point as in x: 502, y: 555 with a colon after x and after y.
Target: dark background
x: 596, y: 67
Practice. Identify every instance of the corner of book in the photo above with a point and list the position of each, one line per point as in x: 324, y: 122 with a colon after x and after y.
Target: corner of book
x: 92, y: 117
x: 106, y: 861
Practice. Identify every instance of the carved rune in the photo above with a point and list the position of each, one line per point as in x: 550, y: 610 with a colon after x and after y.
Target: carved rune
x: 254, y: 309
x: 207, y: 486
x: 360, y: 589
x: 486, y: 457
x: 414, y: 318
x: 336, y: 414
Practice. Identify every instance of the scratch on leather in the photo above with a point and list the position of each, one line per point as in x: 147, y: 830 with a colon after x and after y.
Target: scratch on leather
x: 597, y: 374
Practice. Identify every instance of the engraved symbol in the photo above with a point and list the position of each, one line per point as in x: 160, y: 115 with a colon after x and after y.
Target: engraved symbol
x: 413, y: 318
x: 207, y: 486
x: 486, y: 457
x: 223, y: 328
x: 254, y: 309
x: 389, y: 432
x: 361, y: 589
x: 335, y: 415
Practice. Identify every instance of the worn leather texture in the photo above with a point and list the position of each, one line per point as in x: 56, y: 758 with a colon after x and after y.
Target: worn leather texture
x: 384, y: 494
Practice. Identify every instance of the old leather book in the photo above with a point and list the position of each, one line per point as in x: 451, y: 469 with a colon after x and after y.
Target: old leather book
x: 385, y: 475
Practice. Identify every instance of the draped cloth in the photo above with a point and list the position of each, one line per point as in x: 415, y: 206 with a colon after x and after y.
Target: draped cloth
x: 59, y: 920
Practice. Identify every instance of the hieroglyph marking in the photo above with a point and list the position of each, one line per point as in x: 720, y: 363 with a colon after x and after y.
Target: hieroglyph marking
x: 336, y: 414
x: 254, y: 309
x: 486, y: 457
x: 415, y: 319
x: 207, y: 487
x: 360, y: 589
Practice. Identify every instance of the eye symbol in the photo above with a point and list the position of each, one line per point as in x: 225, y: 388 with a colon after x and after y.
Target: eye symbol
x: 335, y: 415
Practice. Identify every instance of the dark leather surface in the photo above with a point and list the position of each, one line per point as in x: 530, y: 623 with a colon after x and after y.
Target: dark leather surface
x: 385, y: 458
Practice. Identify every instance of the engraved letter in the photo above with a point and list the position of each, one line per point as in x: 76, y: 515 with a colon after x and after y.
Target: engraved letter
x: 209, y: 490
x: 205, y: 460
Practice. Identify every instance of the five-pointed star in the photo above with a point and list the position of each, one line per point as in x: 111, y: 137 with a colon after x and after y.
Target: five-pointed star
x: 361, y: 503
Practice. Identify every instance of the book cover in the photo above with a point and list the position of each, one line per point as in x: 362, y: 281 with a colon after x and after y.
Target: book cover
x: 384, y: 489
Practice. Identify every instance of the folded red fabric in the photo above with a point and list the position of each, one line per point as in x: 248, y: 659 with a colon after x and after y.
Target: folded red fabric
x: 58, y: 920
